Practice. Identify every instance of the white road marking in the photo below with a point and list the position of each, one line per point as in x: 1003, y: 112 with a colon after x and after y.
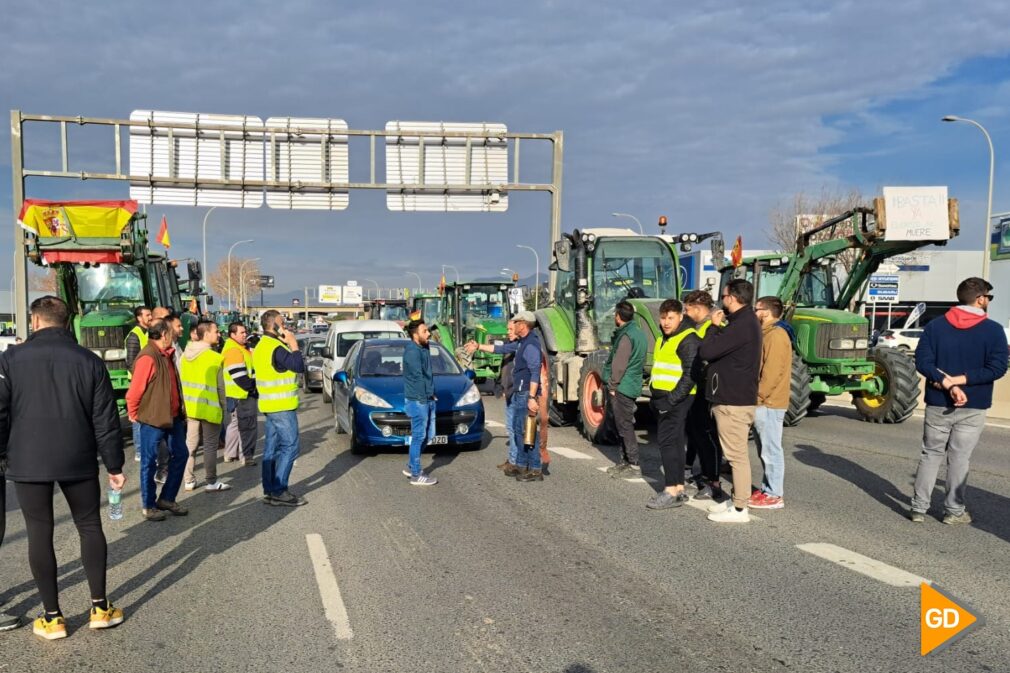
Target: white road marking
x: 333, y: 604
x: 864, y: 565
x: 569, y: 453
x: 494, y: 424
x: 636, y: 480
x: 603, y: 469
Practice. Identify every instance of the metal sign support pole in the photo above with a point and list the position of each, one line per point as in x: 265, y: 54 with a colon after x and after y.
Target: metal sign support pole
x: 19, y: 302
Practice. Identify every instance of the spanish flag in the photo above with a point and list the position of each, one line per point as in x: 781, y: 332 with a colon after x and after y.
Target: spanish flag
x: 441, y: 285
x: 415, y: 315
x: 163, y: 236
x: 736, y: 256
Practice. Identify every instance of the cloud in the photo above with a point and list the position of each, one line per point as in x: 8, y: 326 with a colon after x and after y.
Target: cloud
x: 706, y: 113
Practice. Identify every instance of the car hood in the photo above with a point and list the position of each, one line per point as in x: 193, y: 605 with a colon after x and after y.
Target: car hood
x: 448, y: 389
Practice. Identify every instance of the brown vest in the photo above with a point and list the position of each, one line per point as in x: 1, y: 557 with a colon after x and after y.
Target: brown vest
x: 155, y: 407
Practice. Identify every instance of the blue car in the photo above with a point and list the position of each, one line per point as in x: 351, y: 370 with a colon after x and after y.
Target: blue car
x: 368, y: 401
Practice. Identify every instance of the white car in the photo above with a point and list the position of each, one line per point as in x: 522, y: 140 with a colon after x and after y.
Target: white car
x: 345, y: 333
x: 904, y: 340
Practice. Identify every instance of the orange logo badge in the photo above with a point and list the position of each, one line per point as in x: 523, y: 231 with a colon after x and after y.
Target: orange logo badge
x: 941, y: 620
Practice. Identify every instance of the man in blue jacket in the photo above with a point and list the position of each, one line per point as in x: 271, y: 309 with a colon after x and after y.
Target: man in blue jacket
x: 961, y: 355
x: 419, y: 397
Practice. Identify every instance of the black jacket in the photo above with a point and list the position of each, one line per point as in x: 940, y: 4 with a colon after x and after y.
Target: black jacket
x: 57, y: 411
x: 733, y: 354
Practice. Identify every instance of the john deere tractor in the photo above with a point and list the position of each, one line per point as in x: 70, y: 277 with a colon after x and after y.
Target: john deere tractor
x: 593, y: 270
x: 831, y: 354
x: 104, y: 269
x: 478, y: 311
x: 428, y: 306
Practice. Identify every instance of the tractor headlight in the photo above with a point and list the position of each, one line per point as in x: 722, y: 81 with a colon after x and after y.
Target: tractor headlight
x: 371, y: 399
x: 471, y: 396
x: 99, y: 353
x: 115, y: 354
x: 862, y: 343
x: 842, y: 344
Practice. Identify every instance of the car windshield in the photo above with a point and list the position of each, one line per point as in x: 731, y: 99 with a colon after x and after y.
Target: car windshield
x: 314, y: 348
x: 107, y: 285
x: 393, y: 313
x: 387, y: 360
x: 347, y: 339
x: 482, y: 302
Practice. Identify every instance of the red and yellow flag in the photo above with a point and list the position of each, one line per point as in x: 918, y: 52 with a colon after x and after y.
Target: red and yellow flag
x: 163, y: 236
x: 736, y: 256
x: 441, y: 285
x: 82, y: 219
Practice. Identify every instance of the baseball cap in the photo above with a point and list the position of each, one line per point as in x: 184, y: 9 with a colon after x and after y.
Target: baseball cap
x: 525, y: 316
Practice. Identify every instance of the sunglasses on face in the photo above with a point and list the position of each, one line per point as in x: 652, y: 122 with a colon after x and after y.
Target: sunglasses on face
x: 988, y: 296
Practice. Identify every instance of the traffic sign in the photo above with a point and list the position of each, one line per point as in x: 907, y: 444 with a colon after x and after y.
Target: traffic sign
x: 883, y: 288
x: 329, y: 294
x: 266, y: 281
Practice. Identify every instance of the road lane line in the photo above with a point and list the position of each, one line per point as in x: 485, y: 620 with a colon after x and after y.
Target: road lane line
x: 569, y: 453
x: 329, y: 591
x: 494, y: 424
x: 864, y: 565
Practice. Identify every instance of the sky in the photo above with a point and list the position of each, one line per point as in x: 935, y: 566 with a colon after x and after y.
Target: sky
x: 707, y: 112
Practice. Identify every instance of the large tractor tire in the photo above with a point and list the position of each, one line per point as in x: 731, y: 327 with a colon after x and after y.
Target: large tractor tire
x: 593, y: 400
x: 901, y: 389
x: 816, y: 400
x: 799, y: 393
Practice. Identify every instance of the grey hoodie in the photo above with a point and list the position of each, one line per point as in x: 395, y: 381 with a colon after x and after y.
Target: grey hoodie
x: 193, y: 350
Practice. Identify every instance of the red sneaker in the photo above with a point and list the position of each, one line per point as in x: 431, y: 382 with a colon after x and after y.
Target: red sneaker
x: 768, y: 502
x: 757, y: 499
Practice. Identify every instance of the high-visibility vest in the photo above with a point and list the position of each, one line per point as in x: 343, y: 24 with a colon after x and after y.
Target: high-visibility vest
x: 667, y: 368
x: 278, y: 391
x: 702, y: 328
x: 232, y: 389
x: 199, y: 386
x: 141, y: 334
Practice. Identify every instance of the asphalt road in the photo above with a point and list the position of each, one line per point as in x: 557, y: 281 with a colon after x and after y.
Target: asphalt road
x: 481, y: 573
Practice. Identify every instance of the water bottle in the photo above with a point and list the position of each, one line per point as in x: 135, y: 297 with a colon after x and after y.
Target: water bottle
x: 115, y: 504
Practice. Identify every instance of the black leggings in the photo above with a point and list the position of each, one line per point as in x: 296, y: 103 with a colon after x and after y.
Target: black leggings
x: 671, y: 437
x: 85, y: 500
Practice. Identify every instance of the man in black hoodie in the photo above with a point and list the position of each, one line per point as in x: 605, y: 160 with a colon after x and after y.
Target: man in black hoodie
x: 57, y: 415
x: 733, y: 352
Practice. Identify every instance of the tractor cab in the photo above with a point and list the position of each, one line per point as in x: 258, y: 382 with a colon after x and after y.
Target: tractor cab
x: 477, y: 311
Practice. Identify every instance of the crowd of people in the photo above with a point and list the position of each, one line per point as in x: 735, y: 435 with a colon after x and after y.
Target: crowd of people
x: 58, y: 413
x: 717, y: 373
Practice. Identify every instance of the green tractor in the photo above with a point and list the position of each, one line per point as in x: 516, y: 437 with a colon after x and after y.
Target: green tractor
x: 427, y: 305
x: 831, y: 354
x: 386, y: 309
x: 104, y: 270
x: 593, y: 270
x: 478, y: 311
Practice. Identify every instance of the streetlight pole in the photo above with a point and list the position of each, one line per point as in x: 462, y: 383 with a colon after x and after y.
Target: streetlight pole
x: 640, y: 229
x: 415, y: 275
x: 241, y: 279
x: 369, y: 280
x: 992, y: 173
x: 450, y: 266
x: 206, y: 271
x: 536, y: 283
x: 228, y: 270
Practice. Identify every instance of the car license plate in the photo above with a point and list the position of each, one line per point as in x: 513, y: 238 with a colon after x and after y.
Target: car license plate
x: 439, y: 439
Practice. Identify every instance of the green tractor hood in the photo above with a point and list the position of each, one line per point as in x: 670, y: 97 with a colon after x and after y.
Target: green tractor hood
x: 826, y: 315
x: 107, y: 318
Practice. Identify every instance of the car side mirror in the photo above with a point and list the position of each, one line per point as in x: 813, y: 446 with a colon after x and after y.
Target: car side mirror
x: 470, y: 374
x: 328, y: 353
x: 341, y: 377
x: 210, y: 300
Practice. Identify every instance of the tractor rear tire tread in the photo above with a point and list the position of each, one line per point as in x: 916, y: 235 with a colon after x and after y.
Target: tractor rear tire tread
x: 799, y: 393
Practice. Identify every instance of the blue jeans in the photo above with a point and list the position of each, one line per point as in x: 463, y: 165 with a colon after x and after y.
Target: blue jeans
x: 150, y: 438
x: 510, y: 429
x: 280, y: 450
x: 422, y: 431
x: 136, y: 437
x: 528, y: 456
x: 768, y: 437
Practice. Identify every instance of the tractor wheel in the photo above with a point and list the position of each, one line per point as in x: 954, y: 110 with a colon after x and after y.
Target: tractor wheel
x: 901, y: 389
x: 799, y: 393
x: 593, y: 400
x: 557, y: 412
x: 816, y: 400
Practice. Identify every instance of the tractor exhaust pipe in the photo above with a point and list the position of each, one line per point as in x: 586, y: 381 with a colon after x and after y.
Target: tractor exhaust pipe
x: 585, y: 332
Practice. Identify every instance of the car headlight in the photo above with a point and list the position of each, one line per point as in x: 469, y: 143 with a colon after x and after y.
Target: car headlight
x: 315, y: 368
x: 842, y: 344
x: 371, y: 399
x: 471, y: 396
x: 115, y: 354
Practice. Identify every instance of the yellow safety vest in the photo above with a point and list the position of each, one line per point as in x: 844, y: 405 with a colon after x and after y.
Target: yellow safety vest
x: 199, y: 386
x: 232, y: 389
x: 141, y: 334
x: 702, y: 328
x: 278, y: 390
x: 667, y: 369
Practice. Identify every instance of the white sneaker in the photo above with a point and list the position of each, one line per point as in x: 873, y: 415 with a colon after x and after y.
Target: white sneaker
x: 721, y: 506
x: 190, y: 485
x: 730, y: 515
x: 217, y: 486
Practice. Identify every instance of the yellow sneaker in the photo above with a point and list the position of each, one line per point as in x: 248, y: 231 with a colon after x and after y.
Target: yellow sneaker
x: 50, y: 629
x: 103, y: 619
